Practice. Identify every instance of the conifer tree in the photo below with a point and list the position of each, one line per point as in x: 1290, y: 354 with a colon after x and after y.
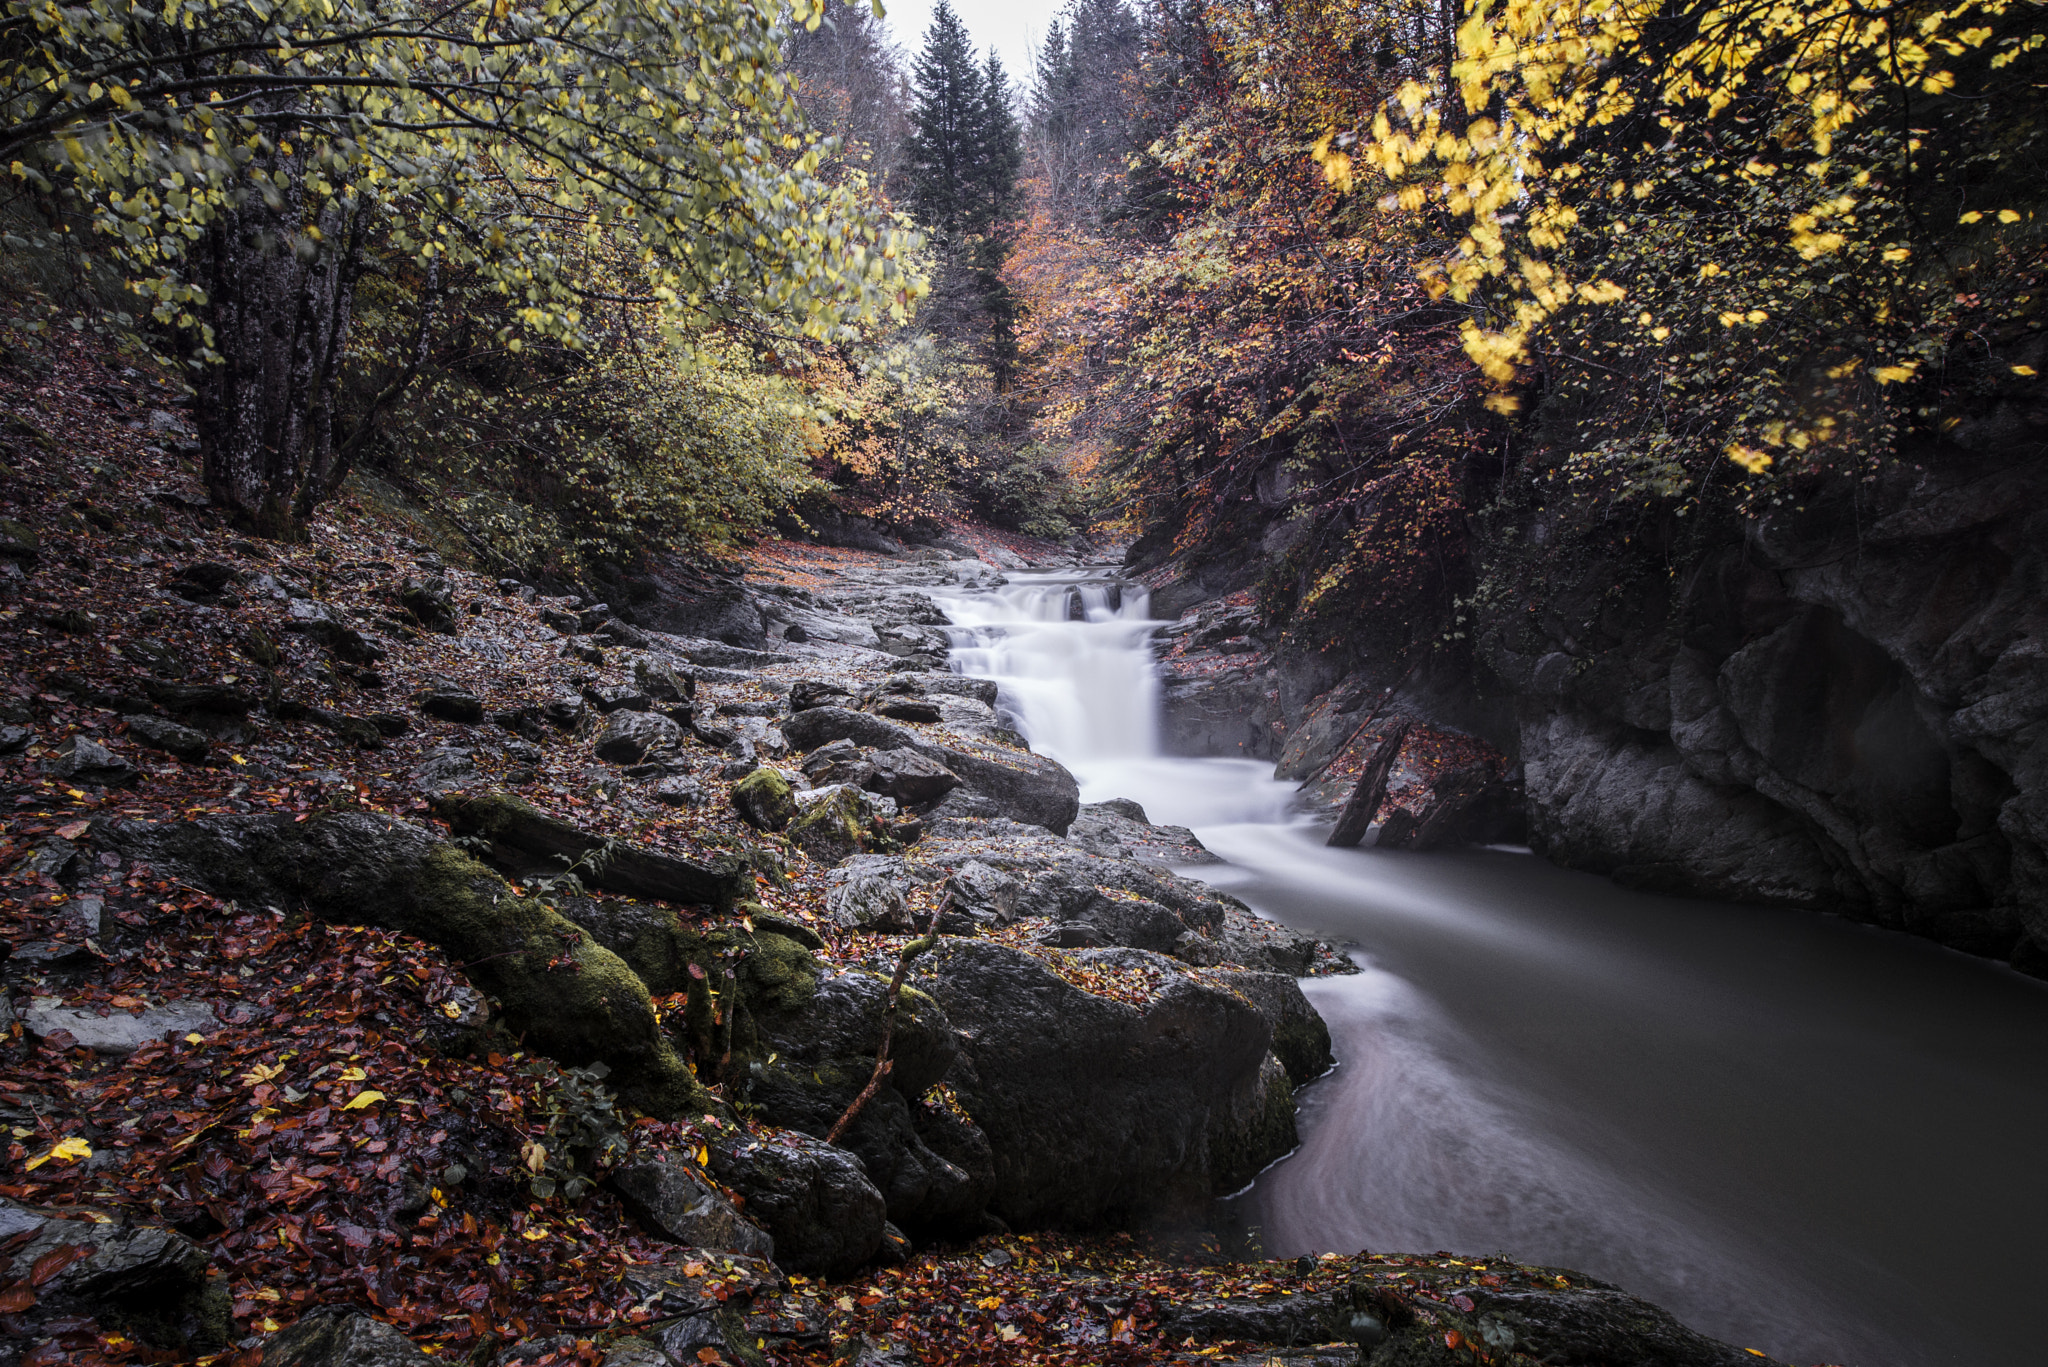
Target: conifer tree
x: 947, y: 125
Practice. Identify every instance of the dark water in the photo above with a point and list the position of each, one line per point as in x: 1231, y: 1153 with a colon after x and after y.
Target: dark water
x: 1800, y: 1135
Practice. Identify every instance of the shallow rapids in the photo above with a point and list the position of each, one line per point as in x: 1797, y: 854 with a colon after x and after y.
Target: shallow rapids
x: 1799, y: 1135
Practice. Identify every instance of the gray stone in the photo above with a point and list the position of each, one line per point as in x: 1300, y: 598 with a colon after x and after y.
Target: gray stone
x: 869, y: 904
x: 153, y: 1282
x: 629, y: 737
x: 984, y: 893
x: 15, y: 739
x: 814, y: 1200
x: 672, y: 1201
x: 451, y: 704
x: 909, y: 776
x: 168, y: 736
x: 86, y: 761
x: 445, y: 770
x: 120, y: 1032
x: 764, y: 800
x: 341, y: 1336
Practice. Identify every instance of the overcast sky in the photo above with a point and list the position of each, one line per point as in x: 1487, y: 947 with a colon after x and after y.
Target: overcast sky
x: 1014, y: 28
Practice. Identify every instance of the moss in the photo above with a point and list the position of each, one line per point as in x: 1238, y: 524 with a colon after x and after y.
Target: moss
x: 831, y: 830
x: 570, y: 997
x: 487, y: 814
x: 764, y: 800
x: 779, y: 976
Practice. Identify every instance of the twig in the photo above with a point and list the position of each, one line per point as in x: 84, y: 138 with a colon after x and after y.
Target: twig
x: 883, y: 1063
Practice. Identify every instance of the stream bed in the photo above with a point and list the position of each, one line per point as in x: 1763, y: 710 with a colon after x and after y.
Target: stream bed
x: 1798, y: 1134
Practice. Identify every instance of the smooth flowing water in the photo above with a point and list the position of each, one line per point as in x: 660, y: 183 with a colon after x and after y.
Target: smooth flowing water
x: 1800, y: 1135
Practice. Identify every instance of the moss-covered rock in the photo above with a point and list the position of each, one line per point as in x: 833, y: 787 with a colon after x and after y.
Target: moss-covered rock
x: 764, y: 800
x: 834, y: 826
x: 523, y: 839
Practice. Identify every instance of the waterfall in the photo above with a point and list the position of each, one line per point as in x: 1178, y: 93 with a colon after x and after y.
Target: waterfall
x: 1071, y: 655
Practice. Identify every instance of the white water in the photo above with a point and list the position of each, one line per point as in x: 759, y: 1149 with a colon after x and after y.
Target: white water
x: 1798, y: 1135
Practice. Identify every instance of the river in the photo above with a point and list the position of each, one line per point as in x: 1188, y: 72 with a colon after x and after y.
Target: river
x: 1798, y: 1134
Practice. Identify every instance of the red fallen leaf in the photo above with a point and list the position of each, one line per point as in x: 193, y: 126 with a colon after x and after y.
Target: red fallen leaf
x: 74, y: 830
x: 1463, y: 1303
x: 708, y: 1355
x: 55, y: 1261
x: 1453, y: 1339
x: 17, y: 1298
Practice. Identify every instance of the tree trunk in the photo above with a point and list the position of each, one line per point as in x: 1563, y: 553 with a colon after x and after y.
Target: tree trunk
x: 280, y: 272
x: 1370, y: 792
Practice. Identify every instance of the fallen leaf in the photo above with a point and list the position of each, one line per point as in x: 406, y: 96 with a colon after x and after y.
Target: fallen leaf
x: 362, y: 1099
x: 73, y: 830
x: 69, y: 1150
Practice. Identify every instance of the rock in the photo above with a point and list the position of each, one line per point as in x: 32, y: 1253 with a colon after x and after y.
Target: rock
x: 805, y: 694
x: 445, y: 769
x: 86, y: 761
x: 814, y: 1200
x: 685, y: 1341
x: 659, y: 681
x: 341, y: 1336
x: 360, y: 868
x: 527, y: 840
x: 323, y: 624
x: 15, y: 739
x: 795, y: 634
x: 1253, y: 942
x: 1117, y: 829
x: 1131, y: 920
x: 672, y: 1201
x: 986, y: 894
x: 207, y: 581
x: 616, y: 698
x: 120, y: 1033
x: 641, y: 1352
x: 18, y: 541
x: 566, y: 712
x: 764, y: 800
x: 819, y: 724
x: 55, y: 858
x: 157, y: 733
x: 1023, y: 786
x: 1301, y: 1038
x: 678, y: 790
x: 629, y: 737
x: 220, y: 699
x: 867, y: 903
x: 1281, y: 1319
x: 150, y: 1283
x: 960, y: 685
x: 431, y: 602
x: 1099, y: 1111
x: 769, y: 923
x: 451, y: 704
x: 1362, y: 808
x: 908, y: 776
x: 908, y: 709
x: 1075, y: 935
x: 839, y: 761
x: 836, y: 822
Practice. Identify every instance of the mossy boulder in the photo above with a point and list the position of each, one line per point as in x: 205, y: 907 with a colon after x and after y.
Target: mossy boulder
x: 525, y: 840
x: 836, y: 824
x: 764, y: 800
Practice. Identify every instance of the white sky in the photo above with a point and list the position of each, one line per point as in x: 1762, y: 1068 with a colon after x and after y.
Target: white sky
x: 1014, y: 28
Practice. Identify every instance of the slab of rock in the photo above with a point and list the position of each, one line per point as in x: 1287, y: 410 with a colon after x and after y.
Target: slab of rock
x: 1362, y: 808
x: 868, y: 903
x: 525, y: 839
x: 814, y: 1200
x: 672, y: 1201
x: 121, y: 1032
x: 445, y: 769
x: 324, y: 624
x: 629, y: 737
x: 1301, y: 1039
x: 986, y: 894
x: 83, y: 760
x: 836, y: 822
x: 341, y: 1336
x: 451, y: 704
x: 220, y: 699
x: 1281, y: 1319
x: 805, y: 694
x: 908, y: 776
x: 1118, y: 829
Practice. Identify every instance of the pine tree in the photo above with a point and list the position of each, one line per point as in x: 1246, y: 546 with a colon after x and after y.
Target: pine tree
x: 946, y: 126
x: 1000, y: 153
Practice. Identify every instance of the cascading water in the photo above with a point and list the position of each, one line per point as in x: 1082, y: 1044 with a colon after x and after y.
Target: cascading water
x: 1797, y: 1134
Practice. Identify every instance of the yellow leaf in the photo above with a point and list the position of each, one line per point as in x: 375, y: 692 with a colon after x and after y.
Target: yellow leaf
x: 1749, y: 458
x: 1972, y: 217
x: 2024, y: 370
x: 533, y: 1234
x: 1894, y: 374
x: 450, y: 1010
x: 195, y: 1038
x: 362, y: 1099
x: 2008, y: 216
x: 351, y: 1075
x: 69, y: 1150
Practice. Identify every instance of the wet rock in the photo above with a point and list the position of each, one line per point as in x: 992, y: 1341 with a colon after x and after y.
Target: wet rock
x: 836, y: 822
x: 678, y: 790
x: 1118, y: 829
x: 451, y: 704
x: 15, y: 739
x: 820, y: 724
x: 659, y: 681
x: 908, y: 709
x: 795, y: 634
x: 629, y: 737
x: 814, y: 1200
x: 615, y: 698
x: 1131, y: 920
x: 219, y: 699
x: 526, y: 840
x: 1075, y: 935
x: 148, y: 1282
x: 769, y: 923
x: 908, y: 776
x: 431, y: 603
x: 444, y: 770
x: 341, y: 1336
x: 805, y: 694
x: 1301, y: 1039
x: 159, y: 734
x: 672, y: 1201
x: 1287, y: 1319
x: 986, y: 894
x: 390, y: 725
x: 322, y: 623
x: 839, y: 761
x: 84, y: 761
x: 1098, y: 1110
x: 868, y: 903
x: 565, y: 713
x: 764, y: 800
x: 1256, y: 943
x: 120, y: 1033
x: 55, y: 858
x: 207, y: 581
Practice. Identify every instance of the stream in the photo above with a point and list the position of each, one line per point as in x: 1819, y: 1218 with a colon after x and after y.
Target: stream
x: 1798, y: 1134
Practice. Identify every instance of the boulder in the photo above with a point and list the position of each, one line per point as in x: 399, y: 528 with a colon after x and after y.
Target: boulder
x: 764, y: 800
x: 908, y: 776
x: 445, y: 769
x: 671, y: 1200
x: 986, y: 894
x: 678, y: 790
x: 908, y: 709
x: 218, y: 699
x: 150, y: 1283
x: 431, y: 602
x: 836, y: 822
x: 618, y: 698
x: 341, y: 1336
x: 805, y: 694
x: 819, y: 724
x: 1130, y: 920
x: 325, y: 625
x: 1118, y: 829
x: 1301, y: 1038
x: 525, y: 839
x: 566, y: 712
x: 83, y: 760
x: 1025, y: 787
x: 629, y: 737
x: 1098, y: 1111
x: 122, y: 1032
x: 814, y: 1200
x: 868, y: 903
x: 15, y: 739
x: 357, y: 867
x: 659, y: 680
x: 451, y: 704
x: 1370, y: 794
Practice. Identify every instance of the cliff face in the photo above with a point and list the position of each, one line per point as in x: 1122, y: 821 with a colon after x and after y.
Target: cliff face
x: 1840, y: 708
